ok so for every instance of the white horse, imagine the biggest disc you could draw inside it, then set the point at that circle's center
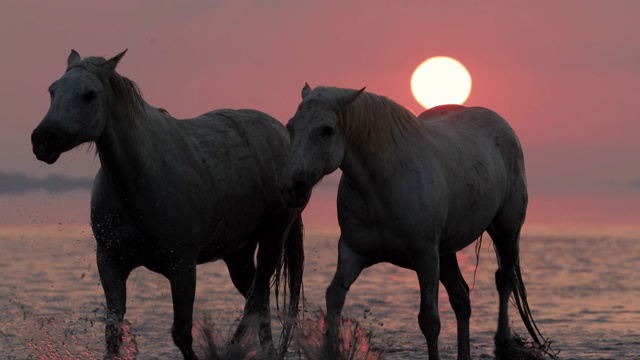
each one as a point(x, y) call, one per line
point(413, 192)
point(173, 194)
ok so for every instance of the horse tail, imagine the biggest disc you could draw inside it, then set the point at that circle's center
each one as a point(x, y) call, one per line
point(519, 298)
point(290, 274)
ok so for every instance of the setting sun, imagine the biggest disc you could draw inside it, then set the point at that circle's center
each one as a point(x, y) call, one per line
point(440, 80)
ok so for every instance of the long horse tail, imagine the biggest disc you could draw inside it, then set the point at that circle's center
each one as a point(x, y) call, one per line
point(519, 298)
point(290, 274)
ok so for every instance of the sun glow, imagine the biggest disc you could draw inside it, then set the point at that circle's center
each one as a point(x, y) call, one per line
point(440, 80)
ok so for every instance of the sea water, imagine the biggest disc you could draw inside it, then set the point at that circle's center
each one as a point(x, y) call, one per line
point(584, 293)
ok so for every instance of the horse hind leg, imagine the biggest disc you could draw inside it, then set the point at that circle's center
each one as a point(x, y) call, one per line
point(505, 233)
point(458, 292)
point(349, 267)
point(257, 300)
point(242, 268)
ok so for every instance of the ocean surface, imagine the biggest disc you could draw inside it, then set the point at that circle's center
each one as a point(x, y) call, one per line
point(584, 293)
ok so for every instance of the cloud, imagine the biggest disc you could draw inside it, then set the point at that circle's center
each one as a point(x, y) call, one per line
point(19, 183)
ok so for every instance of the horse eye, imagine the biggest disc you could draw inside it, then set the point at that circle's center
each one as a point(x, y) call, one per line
point(88, 96)
point(327, 131)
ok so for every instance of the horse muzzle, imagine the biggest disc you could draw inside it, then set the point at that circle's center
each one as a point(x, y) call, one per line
point(295, 195)
point(46, 145)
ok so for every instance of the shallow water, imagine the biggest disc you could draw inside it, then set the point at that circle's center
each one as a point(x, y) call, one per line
point(584, 294)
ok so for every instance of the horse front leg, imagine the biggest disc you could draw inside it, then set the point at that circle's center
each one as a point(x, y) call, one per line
point(113, 277)
point(458, 292)
point(349, 267)
point(427, 269)
point(183, 290)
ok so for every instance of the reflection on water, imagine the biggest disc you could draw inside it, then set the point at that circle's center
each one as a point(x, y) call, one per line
point(583, 292)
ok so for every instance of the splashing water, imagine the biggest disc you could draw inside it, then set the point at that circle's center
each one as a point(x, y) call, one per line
point(216, 346)
point(53, 338)
point(354, 342)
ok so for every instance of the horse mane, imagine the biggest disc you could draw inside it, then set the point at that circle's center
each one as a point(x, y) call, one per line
point(373, 122)
point(123, 91)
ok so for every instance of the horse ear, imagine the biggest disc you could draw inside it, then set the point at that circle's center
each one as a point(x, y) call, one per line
point(73, 58)
point(110, 65)
point(344, 101)
point(306, 90)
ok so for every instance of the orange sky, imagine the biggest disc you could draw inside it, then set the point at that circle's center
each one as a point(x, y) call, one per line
point(564, 74)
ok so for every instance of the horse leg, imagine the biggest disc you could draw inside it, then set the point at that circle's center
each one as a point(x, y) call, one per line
point(183, 290)
point(427, 269)
point(349, 267)
point(113, 277)
point(258, 297)
point(458, 292)
point(505, 233)
point(241, 267)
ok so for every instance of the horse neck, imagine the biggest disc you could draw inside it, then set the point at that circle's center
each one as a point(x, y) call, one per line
point(365, 166)
point(359, 165)
point(126, 146)
point(376, 129)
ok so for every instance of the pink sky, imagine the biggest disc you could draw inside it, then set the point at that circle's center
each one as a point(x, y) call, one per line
point(564, 74)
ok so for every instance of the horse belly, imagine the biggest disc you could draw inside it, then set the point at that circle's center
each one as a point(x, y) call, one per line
point(455, 240)
point(378, 239)
point(463, 227)
point(392, 234)
point(227, 237)
point(475, 193)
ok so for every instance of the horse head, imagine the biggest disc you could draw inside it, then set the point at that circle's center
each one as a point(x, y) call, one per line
point(78, 107)
point(317, 147)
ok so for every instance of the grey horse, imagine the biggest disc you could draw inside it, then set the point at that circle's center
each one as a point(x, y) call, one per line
point(173, 194)
point(413, 192)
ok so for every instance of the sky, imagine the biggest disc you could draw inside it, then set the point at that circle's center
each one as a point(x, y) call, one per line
point(565, 74)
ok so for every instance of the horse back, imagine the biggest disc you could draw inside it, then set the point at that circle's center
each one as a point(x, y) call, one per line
point(473, 129)
point(241, 143)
